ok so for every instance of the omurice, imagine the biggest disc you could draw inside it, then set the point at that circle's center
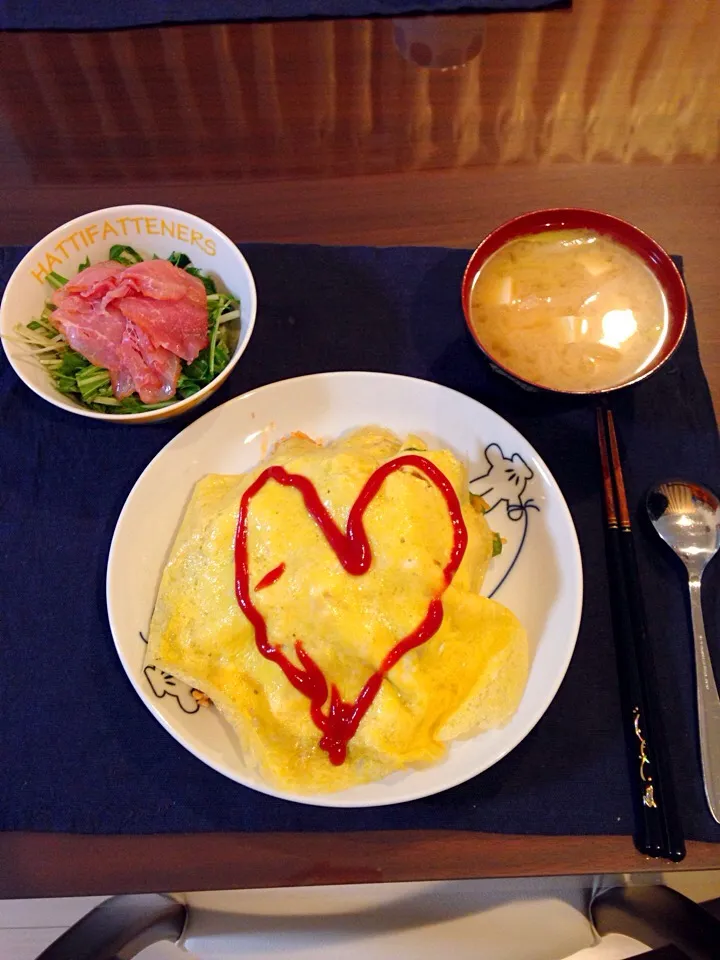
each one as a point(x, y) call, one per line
point(328, 603)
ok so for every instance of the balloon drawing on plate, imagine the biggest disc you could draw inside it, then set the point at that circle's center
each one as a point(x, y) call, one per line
point(504, 482)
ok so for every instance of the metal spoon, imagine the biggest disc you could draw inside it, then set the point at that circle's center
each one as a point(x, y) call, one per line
point(687, 517)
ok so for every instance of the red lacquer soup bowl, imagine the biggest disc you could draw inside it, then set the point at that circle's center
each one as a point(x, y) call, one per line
point(622, 232)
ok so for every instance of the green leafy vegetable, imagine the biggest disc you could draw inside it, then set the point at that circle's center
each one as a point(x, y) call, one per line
point(186, 386)
point(125, 255)
point(181, 260)
point(207, 282)
point(215, 357)
point(129, 405)
point(497, 545)
point(93, 382)
point(84, 265)
point(56, 280)
point(72, 363)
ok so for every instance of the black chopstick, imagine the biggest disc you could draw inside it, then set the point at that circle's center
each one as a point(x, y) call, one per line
point(658, 832)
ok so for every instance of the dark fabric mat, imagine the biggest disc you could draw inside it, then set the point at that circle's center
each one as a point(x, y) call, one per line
point(83, 15)
point(80, 751)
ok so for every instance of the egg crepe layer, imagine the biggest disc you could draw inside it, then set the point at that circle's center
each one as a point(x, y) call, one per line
point(468, 677)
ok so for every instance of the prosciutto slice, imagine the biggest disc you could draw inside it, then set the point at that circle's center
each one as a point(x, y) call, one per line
point(137, 321)
point(92, 283)
point(154, 370)
point(171, 307)
point(90, 329)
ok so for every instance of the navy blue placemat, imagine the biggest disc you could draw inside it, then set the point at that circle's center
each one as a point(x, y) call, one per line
point(84, 15)
point(81, 752)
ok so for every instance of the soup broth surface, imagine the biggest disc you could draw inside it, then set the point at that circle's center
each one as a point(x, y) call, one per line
point(571, 310)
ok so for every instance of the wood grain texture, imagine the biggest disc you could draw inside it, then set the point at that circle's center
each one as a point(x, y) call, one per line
point(49, 865)
point(328, 132)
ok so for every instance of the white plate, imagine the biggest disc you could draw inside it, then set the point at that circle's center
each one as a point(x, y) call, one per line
point(538, 575)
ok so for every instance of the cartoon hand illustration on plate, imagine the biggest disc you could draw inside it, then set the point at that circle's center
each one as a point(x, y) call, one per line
point(164, 684)
point(505, 481)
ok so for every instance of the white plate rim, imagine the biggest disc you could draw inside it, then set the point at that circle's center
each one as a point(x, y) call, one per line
point(335, 800)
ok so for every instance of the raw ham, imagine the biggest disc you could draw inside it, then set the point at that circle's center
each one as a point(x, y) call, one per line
point(171, 307)
point(123, 384)
point(162, 280)
point(137, 322)
point(154, 370)
point(177, 325)
point(92, 331)
point(91, 283)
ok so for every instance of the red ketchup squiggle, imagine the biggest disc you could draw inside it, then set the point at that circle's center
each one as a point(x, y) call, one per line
point(269, 579)
point(339, 724)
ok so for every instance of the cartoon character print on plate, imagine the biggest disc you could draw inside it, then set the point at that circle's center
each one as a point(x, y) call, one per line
point(505, 482)
point(164, 684)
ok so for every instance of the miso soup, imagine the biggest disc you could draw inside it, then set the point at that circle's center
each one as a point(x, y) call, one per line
point(571, 310)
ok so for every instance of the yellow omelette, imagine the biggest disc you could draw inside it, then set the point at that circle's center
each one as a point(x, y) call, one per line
point(468, 677)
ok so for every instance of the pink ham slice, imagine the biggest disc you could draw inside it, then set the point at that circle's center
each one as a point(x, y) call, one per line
point(92, 331)
point(154, 370)
point(171, 307)
point(135, 321)
point(161, 280)
point(123, 384)
point(92, 283)
point(176, 325)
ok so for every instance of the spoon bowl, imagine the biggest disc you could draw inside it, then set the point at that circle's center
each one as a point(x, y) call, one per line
point(687, 517)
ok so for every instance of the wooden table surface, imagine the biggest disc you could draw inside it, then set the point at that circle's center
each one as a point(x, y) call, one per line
point(340, 132)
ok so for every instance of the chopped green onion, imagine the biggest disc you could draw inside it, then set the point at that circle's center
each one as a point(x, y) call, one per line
point(497, 545)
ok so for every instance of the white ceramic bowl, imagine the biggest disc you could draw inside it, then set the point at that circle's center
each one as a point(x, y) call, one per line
point(150, 230)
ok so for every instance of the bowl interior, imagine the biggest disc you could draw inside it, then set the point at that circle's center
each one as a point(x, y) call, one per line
point(572, 218)
point(148, 229)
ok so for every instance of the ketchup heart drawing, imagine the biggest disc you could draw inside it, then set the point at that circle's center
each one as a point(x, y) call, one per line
point(339, 721)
